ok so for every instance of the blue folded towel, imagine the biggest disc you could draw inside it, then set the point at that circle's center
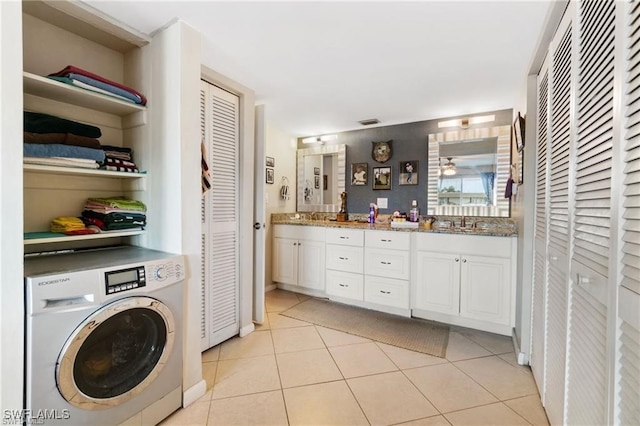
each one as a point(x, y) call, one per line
point(104, 86)
point(58, 150)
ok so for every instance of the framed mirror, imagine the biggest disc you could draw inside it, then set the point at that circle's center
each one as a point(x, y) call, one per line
point(314, 164)
point(468, 172)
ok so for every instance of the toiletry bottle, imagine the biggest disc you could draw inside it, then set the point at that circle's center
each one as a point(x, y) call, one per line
point(372, 213)
point(414, 213)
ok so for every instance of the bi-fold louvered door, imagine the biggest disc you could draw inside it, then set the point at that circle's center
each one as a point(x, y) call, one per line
point(628, 356)
point(219, 216)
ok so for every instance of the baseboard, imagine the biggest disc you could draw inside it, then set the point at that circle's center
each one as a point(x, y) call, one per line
point(522, 358)
point(194, 393)
point(270, 288)
point(247, 329)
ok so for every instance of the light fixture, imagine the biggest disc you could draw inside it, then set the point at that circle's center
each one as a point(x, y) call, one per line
point(320, 139)
point(467, 121)
point(449, 169)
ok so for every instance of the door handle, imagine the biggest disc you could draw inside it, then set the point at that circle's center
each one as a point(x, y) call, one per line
point(257, 226)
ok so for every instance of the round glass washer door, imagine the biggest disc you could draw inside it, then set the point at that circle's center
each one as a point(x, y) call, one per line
point(115, 353)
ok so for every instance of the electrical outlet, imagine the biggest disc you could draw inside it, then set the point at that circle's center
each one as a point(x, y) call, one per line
point(382, 203)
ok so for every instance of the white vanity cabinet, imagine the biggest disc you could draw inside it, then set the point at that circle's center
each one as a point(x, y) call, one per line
point(299, 258)
point(386, 265)
point(345, 264)
point(465, 280)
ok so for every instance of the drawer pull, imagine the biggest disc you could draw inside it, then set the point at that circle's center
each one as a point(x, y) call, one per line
point(385, 292)
point(344, 238)
point(343, 258)
point(457, 260)
point(343, 285)
point(464, 260)
point(385, 241)
point(385, 263)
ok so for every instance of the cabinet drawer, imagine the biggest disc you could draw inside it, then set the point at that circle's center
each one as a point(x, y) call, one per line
point(387, 263)
point(386, 291)
point(345, 258)
point(345, 284)
point(299, 232)
point(347, 237)
point(465, 244)
point(395, 240)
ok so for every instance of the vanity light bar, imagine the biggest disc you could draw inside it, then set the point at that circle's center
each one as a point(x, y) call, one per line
point(466, 122)
point(318, 139)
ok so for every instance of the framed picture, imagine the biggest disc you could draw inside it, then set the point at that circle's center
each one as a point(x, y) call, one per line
point(271, 162)
point(359, 173)
point(382, 177)
point(316, 182)
point(518, 128)
point(408, 173)
point(269, 175)
point(316, 171)
point(325, 182)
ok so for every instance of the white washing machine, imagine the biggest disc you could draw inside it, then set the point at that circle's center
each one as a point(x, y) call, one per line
point(103, 337)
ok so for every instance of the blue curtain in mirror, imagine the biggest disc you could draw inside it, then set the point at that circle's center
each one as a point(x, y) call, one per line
point(488, 179)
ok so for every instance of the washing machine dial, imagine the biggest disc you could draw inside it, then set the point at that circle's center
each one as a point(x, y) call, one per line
point(160, 273)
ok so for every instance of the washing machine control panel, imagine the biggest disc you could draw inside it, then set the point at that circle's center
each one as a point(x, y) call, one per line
point(125, 279)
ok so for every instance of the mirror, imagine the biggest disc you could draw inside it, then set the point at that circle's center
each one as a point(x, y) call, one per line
point(468, 171)
point(321, 174)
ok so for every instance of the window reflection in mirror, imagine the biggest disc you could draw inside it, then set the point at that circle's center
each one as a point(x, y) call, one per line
point(467, 170)
point(317, 193)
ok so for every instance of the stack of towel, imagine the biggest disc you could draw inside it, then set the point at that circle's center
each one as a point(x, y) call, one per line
point(118, 159)
point(69, 226)
point(114, 214)
point(51, 140)
point(87, 80)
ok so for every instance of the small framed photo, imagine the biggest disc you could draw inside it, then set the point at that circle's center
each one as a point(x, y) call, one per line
point(316, 181)
point(408, 173)
point(382, 177)
point(359, 173)
point(316, 171)
point(269, 175)
point(270, 162)
point(518, 128)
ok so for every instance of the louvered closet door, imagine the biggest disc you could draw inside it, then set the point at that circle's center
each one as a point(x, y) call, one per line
point(220, 287)
point(538, 313)
point(561, 103)
point(587, 380)
point(628, 361)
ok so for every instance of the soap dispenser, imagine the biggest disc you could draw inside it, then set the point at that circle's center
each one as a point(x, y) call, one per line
point(414, 213)
point(372, 213)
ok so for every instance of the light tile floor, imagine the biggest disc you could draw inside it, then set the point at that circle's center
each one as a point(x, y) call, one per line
point(290, 372)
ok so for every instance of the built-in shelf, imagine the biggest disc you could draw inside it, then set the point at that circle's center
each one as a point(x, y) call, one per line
point(52, 89)
point(37, 168)
point(52, 237)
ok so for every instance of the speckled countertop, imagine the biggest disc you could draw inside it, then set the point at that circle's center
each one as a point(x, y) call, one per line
point(487, 226)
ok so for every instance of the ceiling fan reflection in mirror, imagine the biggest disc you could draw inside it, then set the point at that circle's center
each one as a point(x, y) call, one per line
point(449, 168)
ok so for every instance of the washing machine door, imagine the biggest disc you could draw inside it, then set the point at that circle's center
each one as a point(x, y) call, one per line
point(115, 353)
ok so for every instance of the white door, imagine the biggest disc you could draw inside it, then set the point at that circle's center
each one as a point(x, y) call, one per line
point(259, 221)
point(485, 288)
point(220, 206)
point(438, 285)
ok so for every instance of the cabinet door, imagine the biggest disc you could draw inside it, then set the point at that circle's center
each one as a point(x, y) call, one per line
point(485, 291)
point(437, 282)
point(311, 264)
point(285, 260)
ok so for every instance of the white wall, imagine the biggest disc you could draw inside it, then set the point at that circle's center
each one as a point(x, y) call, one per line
point(282, 147)
point(11, 247)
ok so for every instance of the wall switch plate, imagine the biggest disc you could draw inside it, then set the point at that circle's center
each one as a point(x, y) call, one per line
point(382, 203)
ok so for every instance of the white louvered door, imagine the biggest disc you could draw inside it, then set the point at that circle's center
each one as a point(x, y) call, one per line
point(561, 109)
point(588, 357)
point(628, 359)
point(538, 311)
point(220, 229)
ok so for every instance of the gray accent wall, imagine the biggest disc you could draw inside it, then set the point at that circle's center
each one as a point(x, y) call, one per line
point(409, 144)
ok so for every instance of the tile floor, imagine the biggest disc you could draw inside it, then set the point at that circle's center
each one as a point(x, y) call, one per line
point(289, 372)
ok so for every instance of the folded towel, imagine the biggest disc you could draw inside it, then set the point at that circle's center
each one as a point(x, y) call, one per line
point(119, 202)
point(70, 69)
point(36, 122)
point(61, 138)
point(61, 162)
point(106, 87)
point(58, 150)
point(93, 88)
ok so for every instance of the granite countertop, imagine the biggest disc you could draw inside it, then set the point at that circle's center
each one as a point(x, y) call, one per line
point(495, 227)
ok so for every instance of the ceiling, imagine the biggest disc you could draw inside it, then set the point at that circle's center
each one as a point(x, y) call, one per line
point(320, 67)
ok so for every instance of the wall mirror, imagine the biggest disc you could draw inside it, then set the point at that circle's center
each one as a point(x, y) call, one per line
point(321, 178)
point(468, 171)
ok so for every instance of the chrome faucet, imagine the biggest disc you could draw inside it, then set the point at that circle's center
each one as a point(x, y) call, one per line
point(463, 222)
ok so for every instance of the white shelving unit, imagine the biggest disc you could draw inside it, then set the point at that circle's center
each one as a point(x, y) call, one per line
point(37, 168)
point(70, 238)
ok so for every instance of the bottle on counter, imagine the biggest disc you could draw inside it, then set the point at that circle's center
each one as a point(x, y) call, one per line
point(414, 213)
point(372, 213)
